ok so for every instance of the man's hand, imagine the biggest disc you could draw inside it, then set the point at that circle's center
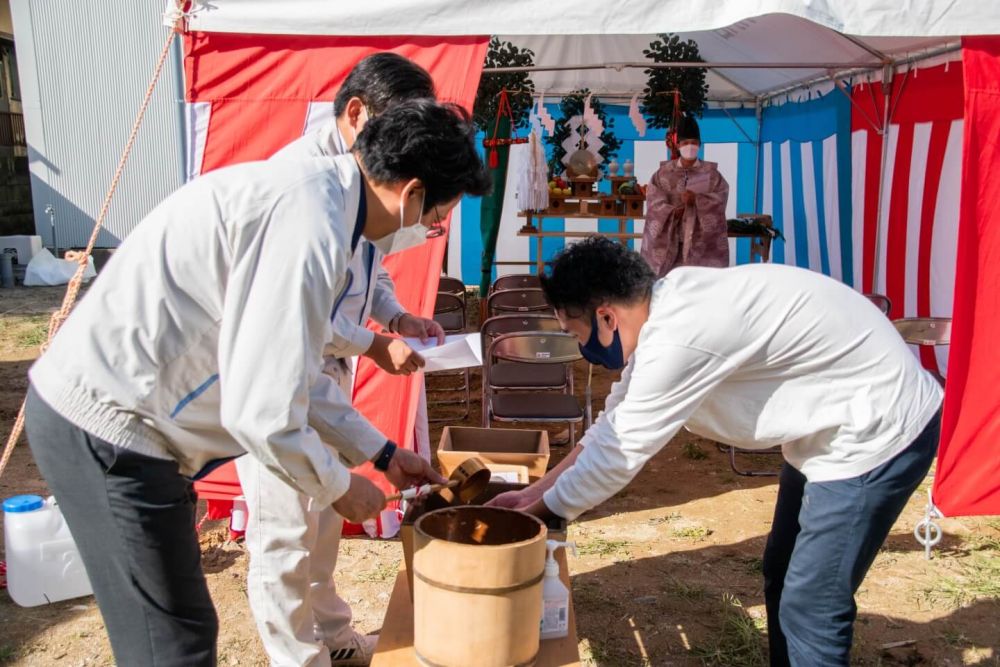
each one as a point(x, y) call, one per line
point(512, 500)
point(394, 356)
point(408, 469)
point(363, 500)
point(688, 197)
point(420, 327)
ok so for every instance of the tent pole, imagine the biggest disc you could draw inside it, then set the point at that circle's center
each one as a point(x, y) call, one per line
point(842, 88)
point(887, 75)
point(759, 111)
point(738, 126)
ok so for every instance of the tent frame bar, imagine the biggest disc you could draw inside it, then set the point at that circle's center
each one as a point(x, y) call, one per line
point(619, 66)
point(849, 73)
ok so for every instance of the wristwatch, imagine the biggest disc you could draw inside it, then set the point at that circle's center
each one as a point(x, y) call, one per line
point(394, 322)
point(382, 462)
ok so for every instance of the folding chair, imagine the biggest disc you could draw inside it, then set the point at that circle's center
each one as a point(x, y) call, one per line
point(925, 331)
point(508, 301)
point(883, 302)
point(449, 312)
point(511, 375)
point(450, 285)
point(733, 451)
point(515, 281)
point(532, 403)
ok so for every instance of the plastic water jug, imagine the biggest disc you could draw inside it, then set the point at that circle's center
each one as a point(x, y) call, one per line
point(43, 563)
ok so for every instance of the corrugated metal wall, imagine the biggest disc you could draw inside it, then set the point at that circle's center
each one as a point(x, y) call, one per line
point(85, 65)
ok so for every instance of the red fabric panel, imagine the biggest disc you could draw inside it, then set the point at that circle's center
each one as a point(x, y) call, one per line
point(895, 241)
point(873, 160)
point(932, 181)
point(260, 87)
point(967, 481)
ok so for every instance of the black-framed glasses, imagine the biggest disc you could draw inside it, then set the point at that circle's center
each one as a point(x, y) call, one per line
point(437, 228)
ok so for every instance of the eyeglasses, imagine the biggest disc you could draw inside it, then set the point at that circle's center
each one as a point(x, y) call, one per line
point(436, 229)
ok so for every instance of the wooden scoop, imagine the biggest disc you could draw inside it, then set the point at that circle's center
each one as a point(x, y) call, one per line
point(468, 481)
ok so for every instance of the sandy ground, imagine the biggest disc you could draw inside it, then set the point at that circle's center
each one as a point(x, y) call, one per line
point(668, 571)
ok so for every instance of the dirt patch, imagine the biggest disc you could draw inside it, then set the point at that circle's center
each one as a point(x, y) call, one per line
point(668, 571)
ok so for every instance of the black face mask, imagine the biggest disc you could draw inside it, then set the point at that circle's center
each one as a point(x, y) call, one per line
point(610, 357)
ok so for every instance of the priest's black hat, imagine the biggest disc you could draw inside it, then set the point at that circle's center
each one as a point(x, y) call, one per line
point(687, 128)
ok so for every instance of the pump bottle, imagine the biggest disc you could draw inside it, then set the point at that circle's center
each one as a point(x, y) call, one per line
point(555, 595)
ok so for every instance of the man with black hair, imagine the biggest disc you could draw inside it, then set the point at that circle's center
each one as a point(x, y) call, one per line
point(686, 209)
point(292, 542)
point(753, 356)
point(202, 340)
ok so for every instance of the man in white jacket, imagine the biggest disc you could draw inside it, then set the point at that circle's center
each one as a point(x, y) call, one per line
point(203, 340)
point(292, 541)
point(753, 356)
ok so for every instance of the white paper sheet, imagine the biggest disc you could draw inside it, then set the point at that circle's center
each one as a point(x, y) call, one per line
point(458, 351)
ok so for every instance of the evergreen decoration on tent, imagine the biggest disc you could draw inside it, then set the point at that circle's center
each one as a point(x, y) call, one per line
point(658, 102)
point(518, 84)
point(571, 106)
point(499, 126)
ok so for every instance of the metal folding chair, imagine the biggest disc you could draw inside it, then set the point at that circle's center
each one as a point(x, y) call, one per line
point(450, 285)
point(928, 331)
point(449, 312)
point(511, 375)
point(533, 403)
point(882, 301)
point(515, 281)
point(925, 331)
point(510, 301)
point(733, 451)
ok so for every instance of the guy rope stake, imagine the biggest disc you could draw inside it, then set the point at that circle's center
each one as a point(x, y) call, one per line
point(83, 258)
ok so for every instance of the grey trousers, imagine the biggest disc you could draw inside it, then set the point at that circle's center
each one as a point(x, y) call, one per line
point(133, 519)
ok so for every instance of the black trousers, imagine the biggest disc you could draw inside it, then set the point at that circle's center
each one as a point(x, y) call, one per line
point(133, 519)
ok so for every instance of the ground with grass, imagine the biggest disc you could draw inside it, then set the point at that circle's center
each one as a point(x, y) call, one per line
point(668, 571)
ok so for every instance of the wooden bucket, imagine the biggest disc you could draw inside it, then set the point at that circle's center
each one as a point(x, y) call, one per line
point(477, 579)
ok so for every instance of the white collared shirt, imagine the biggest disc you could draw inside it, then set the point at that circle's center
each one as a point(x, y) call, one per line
point(756, 356)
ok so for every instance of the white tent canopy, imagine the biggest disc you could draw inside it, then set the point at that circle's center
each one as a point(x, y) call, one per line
point(773, 45)
point(939, 18)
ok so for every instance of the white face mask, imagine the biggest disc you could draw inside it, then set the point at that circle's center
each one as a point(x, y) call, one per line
point(404, 237)
point(689, 151)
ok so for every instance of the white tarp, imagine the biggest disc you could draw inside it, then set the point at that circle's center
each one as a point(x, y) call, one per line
point(46, 269)
point(585, 17)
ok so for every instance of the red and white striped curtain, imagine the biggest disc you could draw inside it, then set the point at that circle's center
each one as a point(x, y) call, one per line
point(920, 197)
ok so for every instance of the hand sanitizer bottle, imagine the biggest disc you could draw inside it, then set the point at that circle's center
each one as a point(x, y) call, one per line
point(555, 595)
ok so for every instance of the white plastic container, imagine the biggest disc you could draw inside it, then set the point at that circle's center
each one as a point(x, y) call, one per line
point(43, 563)
point(555, 595)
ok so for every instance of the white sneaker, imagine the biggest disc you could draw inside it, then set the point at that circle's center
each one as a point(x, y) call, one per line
point(357, 653)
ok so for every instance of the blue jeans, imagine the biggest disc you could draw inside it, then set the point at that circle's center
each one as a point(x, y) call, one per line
point(824, 538)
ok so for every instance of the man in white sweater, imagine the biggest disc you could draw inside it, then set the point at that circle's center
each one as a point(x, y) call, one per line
point(753, 356)
point(203, 340)
point(291, 540)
